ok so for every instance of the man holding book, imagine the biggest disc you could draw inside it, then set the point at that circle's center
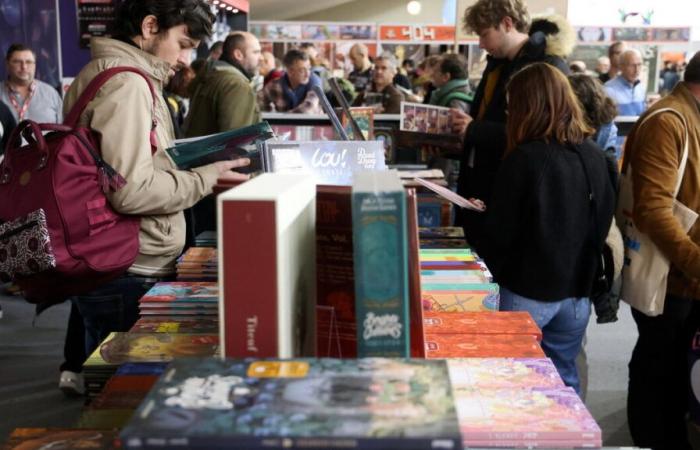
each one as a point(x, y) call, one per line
point(156, 37)
point(512, 42)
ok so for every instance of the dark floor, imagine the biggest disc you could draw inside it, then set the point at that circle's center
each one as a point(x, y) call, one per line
point(30, 356)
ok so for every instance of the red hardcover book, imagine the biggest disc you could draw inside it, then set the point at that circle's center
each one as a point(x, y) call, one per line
point(415, 307)
point(266, 248)
point(336, 325)
point(483, 322)
point(439, 346)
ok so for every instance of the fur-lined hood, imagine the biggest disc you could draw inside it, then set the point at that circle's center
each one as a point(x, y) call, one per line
point(561, 37)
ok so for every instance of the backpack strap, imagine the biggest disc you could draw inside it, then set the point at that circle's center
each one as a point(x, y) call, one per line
point(96, 84)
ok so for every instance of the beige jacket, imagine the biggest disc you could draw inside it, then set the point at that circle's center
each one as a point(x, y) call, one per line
point(654, 149)
point(156, 190)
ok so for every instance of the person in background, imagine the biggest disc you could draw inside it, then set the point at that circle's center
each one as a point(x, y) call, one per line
point(502, 27)
point(599, 112)
point(361, 74)
point(402, 80)
point(424, 85)
point(554, 196)
point(223, 98)
point(157, 37)
point(626, 89)
point(659, 388)
point(270, 68)
point(27, 97)
point(451, 84)
point(614, 52)
point(669, 77)
point(577, 66)
point(409, 68)
point(292, 92)
point(177, 96)
point(602, 66)
point(381, 93)
point(217, 48)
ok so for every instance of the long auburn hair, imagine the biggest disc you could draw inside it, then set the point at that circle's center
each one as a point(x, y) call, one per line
point(542, 106)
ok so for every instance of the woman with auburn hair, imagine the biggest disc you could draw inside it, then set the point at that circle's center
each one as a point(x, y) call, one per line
point(549, 214)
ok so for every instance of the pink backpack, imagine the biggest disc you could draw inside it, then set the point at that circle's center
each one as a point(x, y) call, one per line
point(60, 236)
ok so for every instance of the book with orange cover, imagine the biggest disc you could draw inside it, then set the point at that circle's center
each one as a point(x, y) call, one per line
point(55, 438)
point(182, 324)
point(484, 323)
point(481, 346)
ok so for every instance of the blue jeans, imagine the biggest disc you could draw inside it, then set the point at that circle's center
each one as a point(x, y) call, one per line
point(563, 325)
point(111, 307)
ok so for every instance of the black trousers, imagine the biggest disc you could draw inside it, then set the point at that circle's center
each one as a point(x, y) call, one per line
point(659, 377)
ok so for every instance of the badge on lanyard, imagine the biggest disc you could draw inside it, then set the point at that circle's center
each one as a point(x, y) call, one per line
point(21, 110)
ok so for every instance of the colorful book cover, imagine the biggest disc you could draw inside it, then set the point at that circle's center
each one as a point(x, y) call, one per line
point(200, 325)
point(503, 373)
point(381, 264)
point(441, 233)
point(199, 255)
point(535, 414)
point(467, 276)
point(188, 292)
point(364, 117)
point(119, 348)
point(451, 265)
point(60, 438)
point(124, 392)
point(483, 322)
point(141, 368)
point(460, 301)
point(481, 346)
point(336, 325)
point(315, 403)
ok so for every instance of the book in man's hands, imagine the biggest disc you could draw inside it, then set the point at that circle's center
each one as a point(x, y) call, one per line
point(232, 144)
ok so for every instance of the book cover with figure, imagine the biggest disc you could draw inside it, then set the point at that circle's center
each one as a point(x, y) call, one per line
point(381, 264)
point(377, 403)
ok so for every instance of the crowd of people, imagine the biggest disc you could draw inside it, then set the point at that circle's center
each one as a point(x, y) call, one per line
point(540, 149)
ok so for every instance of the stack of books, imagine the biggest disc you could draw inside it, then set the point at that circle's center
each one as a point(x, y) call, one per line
point(122, 347)
point(48, 438)
point(198, 264)
point(521, 403)
point(173, 299)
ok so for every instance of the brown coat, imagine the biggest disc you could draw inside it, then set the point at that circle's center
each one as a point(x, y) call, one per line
point(655, 150)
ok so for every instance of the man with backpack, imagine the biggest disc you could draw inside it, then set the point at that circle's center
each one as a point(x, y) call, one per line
point(157, 37)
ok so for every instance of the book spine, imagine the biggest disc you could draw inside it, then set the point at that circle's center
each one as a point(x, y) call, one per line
point(248, 279)
point(336, 325)
point(414, 278)
point(381, 282)
point(293, 443)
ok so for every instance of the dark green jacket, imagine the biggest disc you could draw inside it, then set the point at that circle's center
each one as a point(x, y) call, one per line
point(222, 99)
point(454, 94)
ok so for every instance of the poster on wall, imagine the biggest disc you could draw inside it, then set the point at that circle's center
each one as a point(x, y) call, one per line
point(95, 18)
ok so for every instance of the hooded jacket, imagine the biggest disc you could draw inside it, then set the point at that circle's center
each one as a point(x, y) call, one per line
point(121, 114)
point(223, 99)
point(551, 39)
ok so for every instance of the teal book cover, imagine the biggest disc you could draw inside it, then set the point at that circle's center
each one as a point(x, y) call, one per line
point(381, 265)
point(195, 152)
point(376, 403)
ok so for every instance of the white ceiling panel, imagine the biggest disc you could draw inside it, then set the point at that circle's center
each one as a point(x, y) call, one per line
point(289, 9)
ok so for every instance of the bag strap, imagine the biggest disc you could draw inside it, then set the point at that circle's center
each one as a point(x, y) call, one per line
point(684, 158)
point(96, 84)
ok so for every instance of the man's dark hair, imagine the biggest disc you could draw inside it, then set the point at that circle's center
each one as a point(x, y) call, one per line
point(455, 65)
point(233, 41)
point(293, 56)
point(216, 46)
point(306, 45)
point(195, 14)
point(408, 62)
point(692, 70)
point(17, 48)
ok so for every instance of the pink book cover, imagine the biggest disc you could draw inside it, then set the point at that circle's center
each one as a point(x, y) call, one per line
point(503, 373)
point(535, 414)
point(483, 322)
point(182, 291)
point(441, 301)
point(534, 443)
point(438, 346)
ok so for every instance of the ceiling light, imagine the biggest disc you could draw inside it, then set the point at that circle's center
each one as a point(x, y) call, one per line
point(216, 2)
point(229, 8)
point(235, 10)
point(413, 7)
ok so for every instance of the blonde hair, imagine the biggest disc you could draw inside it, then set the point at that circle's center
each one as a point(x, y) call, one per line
point(489, 13)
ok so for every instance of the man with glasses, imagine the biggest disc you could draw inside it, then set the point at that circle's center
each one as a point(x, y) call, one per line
point(27, 97)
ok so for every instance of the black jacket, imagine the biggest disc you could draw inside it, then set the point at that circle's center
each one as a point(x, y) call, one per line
point(8, 124)
point(487, 137)
point(540, 239)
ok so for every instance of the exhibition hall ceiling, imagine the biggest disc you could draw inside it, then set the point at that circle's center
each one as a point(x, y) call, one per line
point(289, 9)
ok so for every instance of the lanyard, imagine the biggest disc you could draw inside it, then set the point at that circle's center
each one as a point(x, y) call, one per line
point(21, 110)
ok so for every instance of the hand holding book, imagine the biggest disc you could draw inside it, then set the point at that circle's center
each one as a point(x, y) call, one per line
point(226, 169)
point(471, 204)
point(460, 121)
